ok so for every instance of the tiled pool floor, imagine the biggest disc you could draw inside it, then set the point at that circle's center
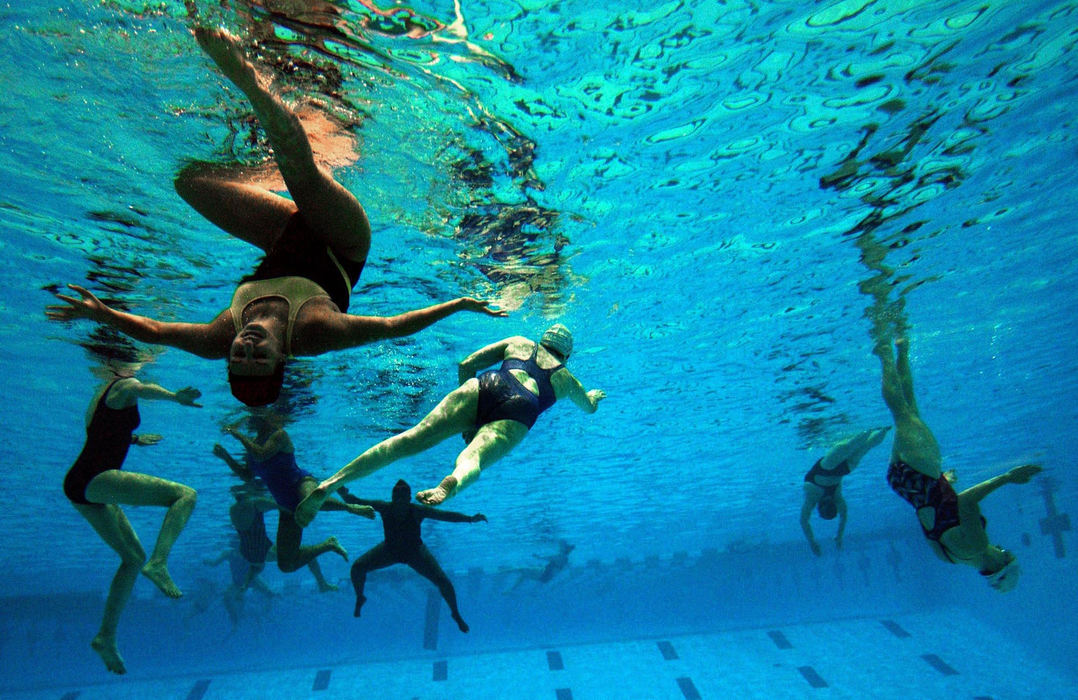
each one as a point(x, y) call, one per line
point(912, 656)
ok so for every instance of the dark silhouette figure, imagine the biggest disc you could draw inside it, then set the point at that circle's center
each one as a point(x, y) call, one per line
point(401, 520)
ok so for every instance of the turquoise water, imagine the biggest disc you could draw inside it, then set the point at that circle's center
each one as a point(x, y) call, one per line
point(683, 184)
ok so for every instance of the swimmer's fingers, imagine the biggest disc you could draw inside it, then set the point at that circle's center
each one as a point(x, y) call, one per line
point(188, 396)
point(75, 308)
point(482, 306)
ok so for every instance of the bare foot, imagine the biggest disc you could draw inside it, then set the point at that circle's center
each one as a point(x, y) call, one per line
point(157, 572)
point(309, 506)
point(334, 546)
point(327, 587)
point(460, 622)
point(360, 600)
point(225, 50)
point(106, 649)
point(444, 490)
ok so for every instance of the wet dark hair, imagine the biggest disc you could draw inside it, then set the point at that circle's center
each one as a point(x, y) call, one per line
point(257, 390)
point(402, 491)
point(827, 508)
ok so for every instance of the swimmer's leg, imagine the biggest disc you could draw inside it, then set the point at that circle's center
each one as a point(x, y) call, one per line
point(491, 442)
point(290, 555)
point(131, 488)
point(112, 526)
point(451, 416)
point(427, 566)
point(375, 558)
point(326, 205)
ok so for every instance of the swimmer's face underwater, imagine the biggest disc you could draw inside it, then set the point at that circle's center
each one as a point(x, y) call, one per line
point(256, 365)
point(255, 352)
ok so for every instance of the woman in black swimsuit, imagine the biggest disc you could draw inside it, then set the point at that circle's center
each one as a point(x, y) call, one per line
point(952, 522)
point(823, 483)
point(494, 412)
point(96, 486)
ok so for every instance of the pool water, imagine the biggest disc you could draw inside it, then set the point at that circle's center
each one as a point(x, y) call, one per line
point(704, 192)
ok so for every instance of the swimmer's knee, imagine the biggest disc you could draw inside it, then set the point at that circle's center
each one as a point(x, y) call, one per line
point(135, 557)
point(186, 494)
point(287, 566)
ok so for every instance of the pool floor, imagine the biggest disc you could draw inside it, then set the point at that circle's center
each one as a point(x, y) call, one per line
point(941, 655)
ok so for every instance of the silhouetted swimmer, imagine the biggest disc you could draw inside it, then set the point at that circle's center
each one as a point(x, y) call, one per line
point(555, 564)
point(401, 522)
point(97, 486)
point(493, 411)
point(823, 483)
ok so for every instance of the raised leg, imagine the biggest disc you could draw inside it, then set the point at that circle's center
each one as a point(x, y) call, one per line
point(291, 556)
point(491, 442)
point(326, 205)
point(451, 416)
point(131, 488)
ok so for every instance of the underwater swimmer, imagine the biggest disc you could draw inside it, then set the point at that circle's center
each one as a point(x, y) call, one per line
point(823, 483)
point(952, 522)
point(316, 245)
point(494, 412)
point(97, 486)
point(401, 523)
point(271, 457)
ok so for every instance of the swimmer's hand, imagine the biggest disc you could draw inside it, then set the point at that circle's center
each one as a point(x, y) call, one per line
point(1022, 474)
point(188, 396)
point(89, 306)
point(362, 511)
point(145, 439)
point(480, 306)
point(478, 518)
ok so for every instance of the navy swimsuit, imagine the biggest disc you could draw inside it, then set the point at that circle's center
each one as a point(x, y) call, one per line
point(108, 438)
point(503, 397)
point(282, 476)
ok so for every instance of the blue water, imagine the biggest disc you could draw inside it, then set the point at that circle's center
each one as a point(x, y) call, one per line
point(683, 185)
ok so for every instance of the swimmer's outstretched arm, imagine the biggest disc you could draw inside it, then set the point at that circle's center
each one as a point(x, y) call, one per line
point(586, 401)
point(806, 525)
point(449, 516)
point(240, 470)
point(129, 390)
point(840, 504)
point(346, 496)
point(343, 331)
point(1018, 475)
point(210, 340)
